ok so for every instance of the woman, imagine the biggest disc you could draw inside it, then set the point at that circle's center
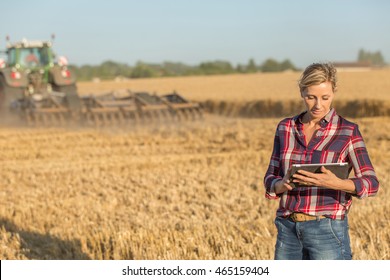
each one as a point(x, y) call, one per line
point(312, 220)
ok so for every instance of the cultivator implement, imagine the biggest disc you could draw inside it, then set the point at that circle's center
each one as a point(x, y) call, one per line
point(182, 108)
point(109, 110)
point(152, 108)
point(106, 110)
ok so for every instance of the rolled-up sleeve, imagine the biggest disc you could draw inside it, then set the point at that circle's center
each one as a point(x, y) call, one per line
point(366, 181)
point(273, 172)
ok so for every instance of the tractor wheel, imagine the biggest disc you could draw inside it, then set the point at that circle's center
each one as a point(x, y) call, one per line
point(7, 96)
point(2, 94)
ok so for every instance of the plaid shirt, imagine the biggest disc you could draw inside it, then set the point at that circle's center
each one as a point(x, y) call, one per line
point(338, 140)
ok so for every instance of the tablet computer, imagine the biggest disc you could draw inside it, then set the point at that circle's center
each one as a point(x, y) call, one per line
point(341, 169)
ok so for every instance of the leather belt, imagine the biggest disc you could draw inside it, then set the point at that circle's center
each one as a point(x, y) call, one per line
point(302, 217)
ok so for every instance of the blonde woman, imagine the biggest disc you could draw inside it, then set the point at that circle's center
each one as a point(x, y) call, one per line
point(312, 219)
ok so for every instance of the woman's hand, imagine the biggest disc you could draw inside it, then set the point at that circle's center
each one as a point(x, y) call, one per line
point(284, 184)
point(326, 179)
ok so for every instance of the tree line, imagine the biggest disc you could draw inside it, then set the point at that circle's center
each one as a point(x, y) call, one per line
point(110, 69)
point(372, 58)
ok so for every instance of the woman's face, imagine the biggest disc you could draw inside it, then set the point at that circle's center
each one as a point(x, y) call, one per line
point(318, 99)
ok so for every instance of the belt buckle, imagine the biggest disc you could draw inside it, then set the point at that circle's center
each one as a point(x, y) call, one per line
point(293, 217)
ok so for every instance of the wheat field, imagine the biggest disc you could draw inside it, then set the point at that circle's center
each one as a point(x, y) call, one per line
point(370, 85)
point(190, 190)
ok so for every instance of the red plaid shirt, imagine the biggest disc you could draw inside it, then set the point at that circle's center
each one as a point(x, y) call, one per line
point(338, 140)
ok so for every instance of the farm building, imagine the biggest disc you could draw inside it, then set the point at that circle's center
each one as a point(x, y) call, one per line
point(353, 66)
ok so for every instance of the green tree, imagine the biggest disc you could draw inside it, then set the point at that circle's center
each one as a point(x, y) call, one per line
point(240, 68)
point(216, 67)
point(142, 70)
point(110, 69)
point(270, 65)
point(362, 56)
point(251, 67)
point(176, 69)
point(378, 59)
point(286, 65)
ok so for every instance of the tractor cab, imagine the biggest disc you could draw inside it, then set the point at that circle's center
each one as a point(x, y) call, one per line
point(30, 55)
point(30, 72)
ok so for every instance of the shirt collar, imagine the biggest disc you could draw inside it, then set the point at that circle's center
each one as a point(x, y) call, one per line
point(325, 120)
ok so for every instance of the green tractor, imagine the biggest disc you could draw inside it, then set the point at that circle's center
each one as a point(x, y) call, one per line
point(33, 82)
point(42, 91)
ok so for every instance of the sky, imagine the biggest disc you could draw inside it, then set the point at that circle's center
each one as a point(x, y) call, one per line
point(195, 31)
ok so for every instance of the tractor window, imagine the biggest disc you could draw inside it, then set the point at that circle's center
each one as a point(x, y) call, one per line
point(11, 57)
point(44, 55)
point(30, 57)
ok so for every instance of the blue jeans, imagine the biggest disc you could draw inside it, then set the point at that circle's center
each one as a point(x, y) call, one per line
point(323, 239)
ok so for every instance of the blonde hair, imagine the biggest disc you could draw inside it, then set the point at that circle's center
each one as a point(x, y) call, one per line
point(316, 74)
